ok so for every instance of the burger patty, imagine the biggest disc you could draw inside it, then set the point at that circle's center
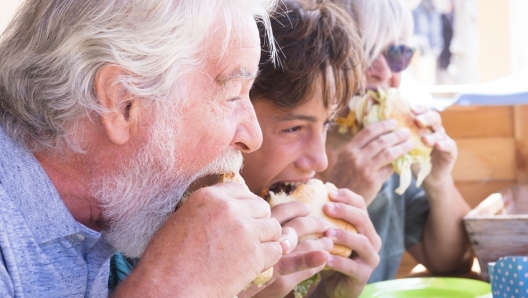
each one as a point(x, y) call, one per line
point(280, 187)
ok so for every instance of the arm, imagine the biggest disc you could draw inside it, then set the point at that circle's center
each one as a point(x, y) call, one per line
point(362, 164)
point(444, 241)
point(213, 246)
point(348, 276)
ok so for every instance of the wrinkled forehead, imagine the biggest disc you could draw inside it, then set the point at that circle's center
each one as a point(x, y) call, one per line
point(236, 29)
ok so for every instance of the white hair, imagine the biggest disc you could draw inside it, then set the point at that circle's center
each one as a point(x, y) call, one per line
point(380, 23)
point(140, 194)
point(52, 50)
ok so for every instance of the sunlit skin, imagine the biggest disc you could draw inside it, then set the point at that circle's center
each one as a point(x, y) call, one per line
point(379, 75)
point(222, 104)
point(293, 150)
point(361, 163)
point(293, 140)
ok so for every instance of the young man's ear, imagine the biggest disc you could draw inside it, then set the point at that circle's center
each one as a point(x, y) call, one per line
point(122, 110)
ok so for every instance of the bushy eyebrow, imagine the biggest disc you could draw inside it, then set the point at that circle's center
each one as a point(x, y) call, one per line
point(291, 117)
point(238, 73)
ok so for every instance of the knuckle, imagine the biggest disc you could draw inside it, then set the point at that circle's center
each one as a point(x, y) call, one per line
point(352, 156)
point(354, 198)
point(363, 215)
point(265, 206)
point(365, 173)
point(275, 225)
point(363, 243)
point(289, 231)
point(383, 141)
point(391, 153)
point(371, 129)
point(204, 194)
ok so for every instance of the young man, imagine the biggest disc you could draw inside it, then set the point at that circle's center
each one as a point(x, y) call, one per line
point(321, 68)
point(425, 221)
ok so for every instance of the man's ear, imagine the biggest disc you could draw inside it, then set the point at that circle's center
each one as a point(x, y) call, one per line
point(121, 109)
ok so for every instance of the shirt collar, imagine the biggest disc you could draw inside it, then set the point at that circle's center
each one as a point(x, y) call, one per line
point(26, 183)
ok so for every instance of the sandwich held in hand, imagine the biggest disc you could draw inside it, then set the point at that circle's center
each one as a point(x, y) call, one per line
point(316, 194)
point(379, 105)
point(267, 274)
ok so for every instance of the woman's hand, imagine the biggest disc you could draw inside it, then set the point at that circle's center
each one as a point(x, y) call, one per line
point(363, 164)
point(445, 149)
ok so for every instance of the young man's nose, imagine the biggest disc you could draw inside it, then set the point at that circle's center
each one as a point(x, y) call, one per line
point(314, 157)
point(248, 135)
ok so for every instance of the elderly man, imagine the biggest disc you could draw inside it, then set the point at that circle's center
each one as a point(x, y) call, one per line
point(108, 110)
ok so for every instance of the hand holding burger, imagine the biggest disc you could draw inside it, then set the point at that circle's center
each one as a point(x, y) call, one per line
point(379, 105)
point(316, 194)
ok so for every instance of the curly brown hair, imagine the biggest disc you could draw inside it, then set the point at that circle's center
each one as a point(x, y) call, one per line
point(317, 41)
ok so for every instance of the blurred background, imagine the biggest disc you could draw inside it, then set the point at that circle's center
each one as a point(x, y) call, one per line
point(458, 41)
point(469, 41)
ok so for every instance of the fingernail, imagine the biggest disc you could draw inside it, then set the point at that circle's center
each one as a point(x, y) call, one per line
point(392, 123)
point(331, 260)
point(329, 243)
point(287, 246)
point(331, 207)
point(331, 233)
point(334, 194)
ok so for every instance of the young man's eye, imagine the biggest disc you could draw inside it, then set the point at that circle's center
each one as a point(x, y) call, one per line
point(293, 129)
point(329, 124)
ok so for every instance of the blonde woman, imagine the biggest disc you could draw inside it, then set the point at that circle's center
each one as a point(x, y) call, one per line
point(426, 221)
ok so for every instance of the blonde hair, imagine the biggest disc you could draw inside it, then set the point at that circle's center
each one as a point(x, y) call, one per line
point(380, 23)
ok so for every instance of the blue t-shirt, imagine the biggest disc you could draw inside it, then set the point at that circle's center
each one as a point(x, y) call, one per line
point(44, 251)
point(399, 221)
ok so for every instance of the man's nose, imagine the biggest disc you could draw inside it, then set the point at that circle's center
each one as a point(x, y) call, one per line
point(248, 135)
point(379, 69)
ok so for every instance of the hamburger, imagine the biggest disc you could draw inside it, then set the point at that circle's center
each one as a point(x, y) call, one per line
point(379, 105)
point(316, 194)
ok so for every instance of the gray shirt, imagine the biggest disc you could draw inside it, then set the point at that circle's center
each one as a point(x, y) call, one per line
point(399, 221)
point(44, 251)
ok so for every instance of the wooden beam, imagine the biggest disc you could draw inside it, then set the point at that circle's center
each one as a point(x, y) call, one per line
point(521, 142)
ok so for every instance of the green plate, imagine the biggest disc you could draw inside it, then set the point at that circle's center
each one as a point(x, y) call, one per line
point(437, 287)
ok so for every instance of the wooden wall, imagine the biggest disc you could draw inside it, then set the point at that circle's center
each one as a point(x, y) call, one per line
point(493, 148)
point(493, 152)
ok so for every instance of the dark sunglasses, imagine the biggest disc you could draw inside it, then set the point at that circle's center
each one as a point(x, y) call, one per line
point(398, 57)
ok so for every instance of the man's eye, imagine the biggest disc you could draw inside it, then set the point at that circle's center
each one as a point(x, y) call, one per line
point(234, 98)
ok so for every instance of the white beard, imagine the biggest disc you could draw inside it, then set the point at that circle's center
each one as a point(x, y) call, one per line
point(138, 198)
